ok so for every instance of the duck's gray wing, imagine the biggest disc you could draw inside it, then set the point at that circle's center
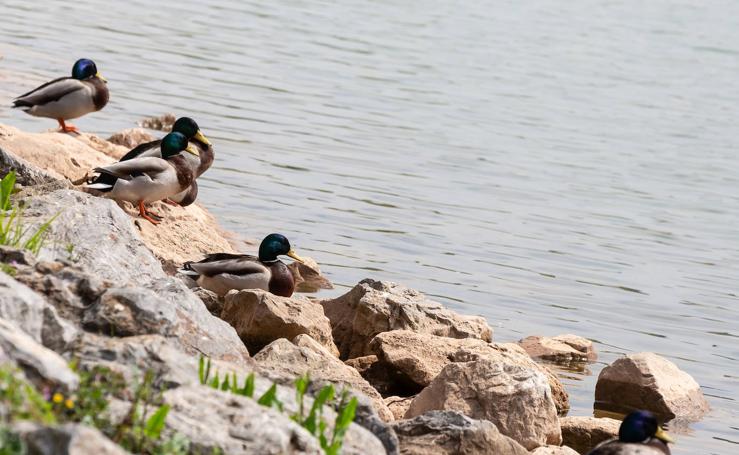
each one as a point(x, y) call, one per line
point(232, 264)
point(49, 92)
point(135, 167)
point(144, 150)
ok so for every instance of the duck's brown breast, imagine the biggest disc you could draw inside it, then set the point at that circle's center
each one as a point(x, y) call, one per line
point(281, 282)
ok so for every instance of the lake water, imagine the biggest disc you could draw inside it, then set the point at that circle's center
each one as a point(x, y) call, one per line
point(555, 166)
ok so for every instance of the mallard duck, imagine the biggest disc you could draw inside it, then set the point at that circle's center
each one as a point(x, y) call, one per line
point(639, 434)
point(222, 272)
point(190, 129)
point(149, 179)
point(68, 97)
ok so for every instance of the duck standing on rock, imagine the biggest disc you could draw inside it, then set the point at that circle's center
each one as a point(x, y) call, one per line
point(639, 434)
point(68, 97)
point(149, 179)
point(190, 129)
point(221, 272)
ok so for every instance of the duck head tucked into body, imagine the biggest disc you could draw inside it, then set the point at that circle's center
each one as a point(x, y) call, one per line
point(190, 129)
point(639, 434)
point(149, 179)
point(68, 98)
point(222, 272)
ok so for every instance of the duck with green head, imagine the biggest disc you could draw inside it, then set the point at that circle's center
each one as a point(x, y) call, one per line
point(67, 98)
point(639, 434)
point(199, 164)
point(149, 179)
point(221, 272)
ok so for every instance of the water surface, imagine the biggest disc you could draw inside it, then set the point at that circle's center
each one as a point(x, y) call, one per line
point(555, 166)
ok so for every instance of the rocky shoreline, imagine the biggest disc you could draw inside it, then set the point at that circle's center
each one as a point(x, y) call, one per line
point(104, 292)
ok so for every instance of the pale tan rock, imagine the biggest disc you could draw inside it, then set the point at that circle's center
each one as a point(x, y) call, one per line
point(284, 361)
point(261, 318)
point(516, 399)
point(163, 122)
point(373, 307)
point(553, 450)
point(647, 381)
point(64, 156)
point(452, 433)
point(131, 137)
point(559, 349)
point(186, 233)
point(421, 357)
point(398, 405)
point(584, 433)
point(66, 439)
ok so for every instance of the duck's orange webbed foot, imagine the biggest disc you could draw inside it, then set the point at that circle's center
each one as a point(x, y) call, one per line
point(148, 216)
point(67, 128)
point(171, 202)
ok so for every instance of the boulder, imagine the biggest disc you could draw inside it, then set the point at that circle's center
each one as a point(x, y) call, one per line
point(130, 311)
point(398, 406)
point(260, 318)
point(67, 439)
point(373, 307)
point(647, 381)
point(559, 349)
point(221, 422)
point(452, 433)
point(584, 433)
point(553, 450)
point(31, 313)
point(516, 399)
point(131, 137)
point(284, 361)
point(236, 424)
point(385, 378)
point(41, 366)
point(419, 358)
point(308, 277)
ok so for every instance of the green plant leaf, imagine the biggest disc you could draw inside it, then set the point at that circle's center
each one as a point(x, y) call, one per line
point(248, 390)
point(269, 398)
point(155, 423)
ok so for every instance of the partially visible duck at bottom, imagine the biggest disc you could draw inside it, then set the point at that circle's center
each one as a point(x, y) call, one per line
point(149, 179)
point(222, 272)
point(639, 434)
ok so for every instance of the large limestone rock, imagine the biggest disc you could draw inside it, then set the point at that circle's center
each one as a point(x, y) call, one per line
point(125, 312)
point(42, 366)
point(516, 399)
point(284, 361)
point(308, 277)
point(25, 173)
point(584, 433)
point(372, 307)
point(560, 349)
point(647, 381)
point(261, 318)
point(399, 406)
point(233, 424)
point(31, 313)
point(214, 420)
point(452, 433)
point(67, 439)
point(553, 450)
point(420, 358)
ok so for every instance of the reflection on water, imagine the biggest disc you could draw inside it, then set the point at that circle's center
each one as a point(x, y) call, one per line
point(555, 166)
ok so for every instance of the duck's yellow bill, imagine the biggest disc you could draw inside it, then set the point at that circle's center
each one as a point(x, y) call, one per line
point(100, 76)
point(192, 150)
point(663, 436)
point(295, 256)
point(199, 136)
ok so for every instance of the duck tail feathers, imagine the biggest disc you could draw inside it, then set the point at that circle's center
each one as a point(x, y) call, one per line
point(187, 270)
point(99, 186)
